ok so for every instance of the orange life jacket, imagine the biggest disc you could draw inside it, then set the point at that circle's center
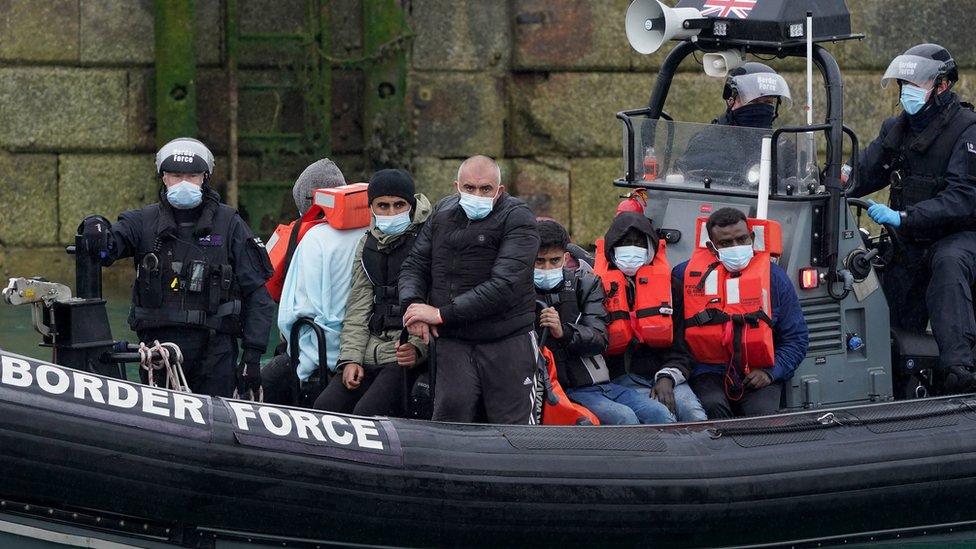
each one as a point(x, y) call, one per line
point(728, 316)
point(557, 409)
point(649, 321)
point(345, 207)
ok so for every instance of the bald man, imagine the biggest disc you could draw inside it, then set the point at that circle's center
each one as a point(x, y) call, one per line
point(468, 282)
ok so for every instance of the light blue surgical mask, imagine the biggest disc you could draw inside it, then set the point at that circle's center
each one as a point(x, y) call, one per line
point(184, 195)
point(629, 258)
point(547, 279)
point(735, 258)
point(393, 224)
point(476, 207)
point(913, 98)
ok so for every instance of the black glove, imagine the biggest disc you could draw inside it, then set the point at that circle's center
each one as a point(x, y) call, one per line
point(96, 234)
point(249, 375)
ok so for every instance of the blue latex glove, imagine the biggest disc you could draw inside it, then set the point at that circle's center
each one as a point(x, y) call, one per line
point(884, 215)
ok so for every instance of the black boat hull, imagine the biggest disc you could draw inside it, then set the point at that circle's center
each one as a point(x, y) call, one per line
point(807, 475)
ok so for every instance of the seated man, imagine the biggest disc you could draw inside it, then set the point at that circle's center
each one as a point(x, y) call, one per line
point(741, 361)
point(278, 375)
point(372, 361)
point(317, 284)
point(577, 324)
point(752, 95)
point(637, 279)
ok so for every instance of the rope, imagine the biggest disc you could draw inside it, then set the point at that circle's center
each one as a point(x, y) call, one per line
point(830, 420)
point(172, 372)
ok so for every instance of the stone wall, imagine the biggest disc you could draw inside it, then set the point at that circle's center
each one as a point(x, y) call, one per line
point(534, 83)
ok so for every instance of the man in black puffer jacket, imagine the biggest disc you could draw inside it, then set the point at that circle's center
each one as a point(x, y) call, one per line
point(468, 281)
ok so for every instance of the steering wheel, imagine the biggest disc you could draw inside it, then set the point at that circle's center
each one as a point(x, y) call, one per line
point(888, 232)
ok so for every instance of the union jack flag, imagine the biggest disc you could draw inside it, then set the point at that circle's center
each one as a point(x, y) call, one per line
point(726, 8)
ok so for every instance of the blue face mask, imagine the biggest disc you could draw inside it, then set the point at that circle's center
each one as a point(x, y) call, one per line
point(547, 279)
point(476, 207)
point(913, 98)
point(629, 258)
point(393, 224)
point(184, 195)
point(735, 258)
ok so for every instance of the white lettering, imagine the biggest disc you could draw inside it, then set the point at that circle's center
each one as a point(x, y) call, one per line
point(328, 422)
point(305, 423)
point(365, 429)
point(183, 404)
point(243, 412)
point(265, 413)
point(60, 386)
point(15, 372)
point(116, 398)
point(152, 399)
point(90, 384)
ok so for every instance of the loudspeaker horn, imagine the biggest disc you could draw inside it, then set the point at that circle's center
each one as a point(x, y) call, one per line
point(721, 62)
point(650, 24)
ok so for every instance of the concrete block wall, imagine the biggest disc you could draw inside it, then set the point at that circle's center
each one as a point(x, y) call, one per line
point(77, 124)
point(566, 69)
point(534, 83)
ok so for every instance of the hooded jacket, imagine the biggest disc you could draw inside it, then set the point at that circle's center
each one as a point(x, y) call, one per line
point(647, 362)
point(356, 343)
point(478, 273)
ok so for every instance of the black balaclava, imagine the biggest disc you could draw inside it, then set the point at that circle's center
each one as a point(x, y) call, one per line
point(754, 115)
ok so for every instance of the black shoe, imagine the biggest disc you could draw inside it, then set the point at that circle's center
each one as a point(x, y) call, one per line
point(960, 379)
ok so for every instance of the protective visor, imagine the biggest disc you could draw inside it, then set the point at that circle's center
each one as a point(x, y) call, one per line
point(917, 70)
point(761, 84)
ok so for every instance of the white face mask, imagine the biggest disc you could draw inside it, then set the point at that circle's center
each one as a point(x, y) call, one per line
point(477, 207)
point(629, 258)
point(392, 224)
point(735, 258)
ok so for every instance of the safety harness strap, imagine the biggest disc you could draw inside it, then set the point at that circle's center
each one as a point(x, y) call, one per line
point(662, 310)
point(193, 317)
point(619, 315)
point(701, 282)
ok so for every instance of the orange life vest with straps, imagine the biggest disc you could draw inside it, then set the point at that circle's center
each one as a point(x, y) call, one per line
point(649, 320)
point(728, 316)
point(344, 207)
point(557, 409)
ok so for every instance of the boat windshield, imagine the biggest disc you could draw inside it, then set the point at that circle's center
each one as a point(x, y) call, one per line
point(719, 156)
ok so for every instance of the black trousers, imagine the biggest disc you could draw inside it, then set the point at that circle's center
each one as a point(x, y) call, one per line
point(935, 283)
point(381, 392)
point(208, 358)
point(493, 381)
point(710, 389)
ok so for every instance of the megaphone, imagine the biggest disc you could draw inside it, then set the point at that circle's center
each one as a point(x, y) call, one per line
point(721, 62)
point(650, 24)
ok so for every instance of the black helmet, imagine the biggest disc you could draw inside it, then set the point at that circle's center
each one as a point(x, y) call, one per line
point(185, 155)
point(922, 64)
point(754, 80)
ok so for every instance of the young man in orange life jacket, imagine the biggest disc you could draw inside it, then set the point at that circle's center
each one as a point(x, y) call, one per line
point(641, 353)
point(577, 324)
point(740, 319)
